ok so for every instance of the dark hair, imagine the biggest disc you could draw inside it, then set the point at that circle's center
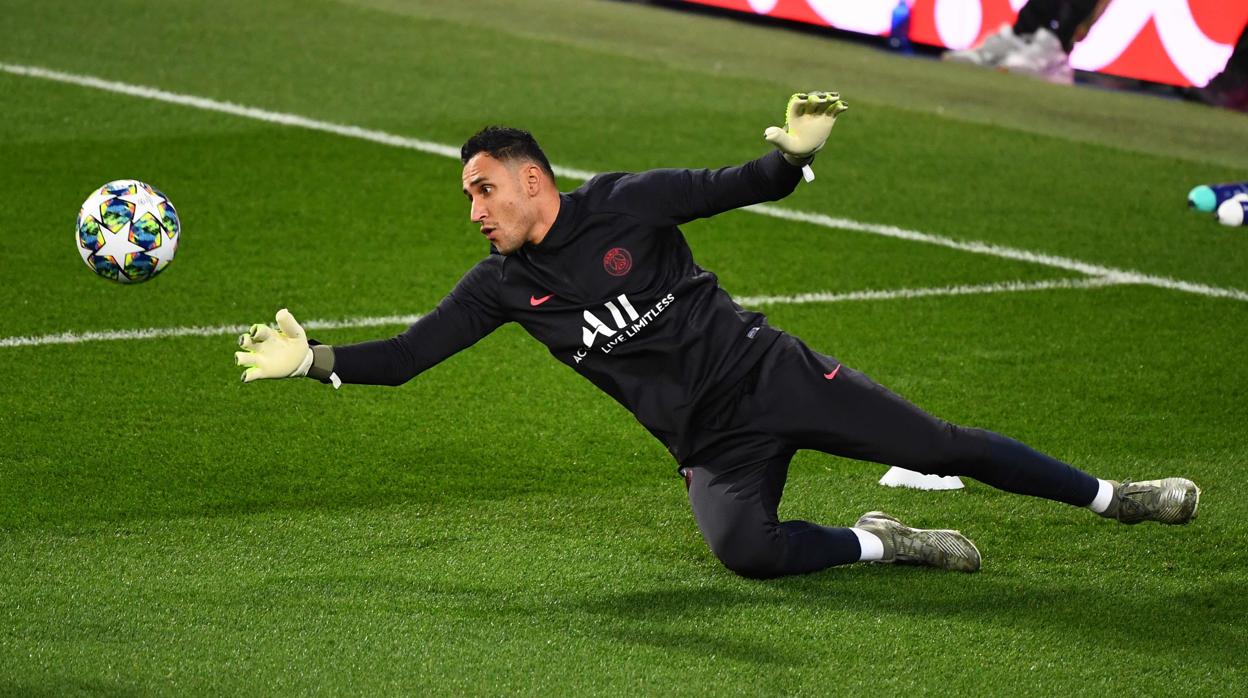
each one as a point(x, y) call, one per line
point(505, 143)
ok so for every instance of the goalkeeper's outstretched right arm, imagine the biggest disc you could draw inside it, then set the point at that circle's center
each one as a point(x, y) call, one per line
point(467, 314)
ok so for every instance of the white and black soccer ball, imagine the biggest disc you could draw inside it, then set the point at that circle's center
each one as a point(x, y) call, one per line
point(127, 231)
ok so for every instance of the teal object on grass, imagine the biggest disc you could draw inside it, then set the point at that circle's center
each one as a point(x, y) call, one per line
point(1207, 197)
point(1202, 199)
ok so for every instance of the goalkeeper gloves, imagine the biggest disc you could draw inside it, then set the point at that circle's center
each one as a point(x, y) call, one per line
point(808, 122)
point(283, 353)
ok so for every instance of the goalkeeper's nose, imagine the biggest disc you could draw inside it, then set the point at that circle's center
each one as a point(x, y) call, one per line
point(477, 212)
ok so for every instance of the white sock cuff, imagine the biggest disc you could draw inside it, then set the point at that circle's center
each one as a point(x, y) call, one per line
point(871, 545)
point(1104, 495)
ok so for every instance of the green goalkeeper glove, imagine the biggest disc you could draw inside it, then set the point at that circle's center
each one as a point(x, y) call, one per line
point(808, 122)
point(283, 353)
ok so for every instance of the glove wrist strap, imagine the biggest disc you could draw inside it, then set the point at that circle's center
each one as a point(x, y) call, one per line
point(321, 363)
point(796, 161)
point(803, 162)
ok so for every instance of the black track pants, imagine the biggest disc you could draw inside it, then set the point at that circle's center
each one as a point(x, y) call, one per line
point(1061, 17)
point(796, 398)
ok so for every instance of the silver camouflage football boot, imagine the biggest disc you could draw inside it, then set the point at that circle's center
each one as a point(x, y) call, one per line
point(1170, 501)
point(990, 52)
point(946, 549)
point(1043, 57)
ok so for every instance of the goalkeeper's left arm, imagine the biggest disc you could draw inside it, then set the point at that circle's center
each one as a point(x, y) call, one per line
point(675, 196)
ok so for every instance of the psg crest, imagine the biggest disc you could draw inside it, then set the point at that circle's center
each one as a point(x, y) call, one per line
point(617, 261)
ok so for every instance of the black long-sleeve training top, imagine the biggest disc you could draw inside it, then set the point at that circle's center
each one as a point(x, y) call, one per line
point(614, 293)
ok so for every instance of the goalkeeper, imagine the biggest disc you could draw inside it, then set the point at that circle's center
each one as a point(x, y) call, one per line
point(604, 278)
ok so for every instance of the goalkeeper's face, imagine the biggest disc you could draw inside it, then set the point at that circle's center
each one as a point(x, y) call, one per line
point(504, 200)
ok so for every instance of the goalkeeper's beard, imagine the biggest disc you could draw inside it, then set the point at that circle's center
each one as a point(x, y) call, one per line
point(511, 236)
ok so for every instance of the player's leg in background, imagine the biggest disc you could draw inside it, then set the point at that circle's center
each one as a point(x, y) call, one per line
point(1066, 19)
point(736, 509)
point(1036, 14)
point(1049, 29)
point(1038, 43)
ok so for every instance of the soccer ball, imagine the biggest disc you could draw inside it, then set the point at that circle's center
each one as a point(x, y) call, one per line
point(127, 231)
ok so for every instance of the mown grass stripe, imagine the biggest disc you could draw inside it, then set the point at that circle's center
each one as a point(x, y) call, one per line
point(1119, 275)
point(443, 150)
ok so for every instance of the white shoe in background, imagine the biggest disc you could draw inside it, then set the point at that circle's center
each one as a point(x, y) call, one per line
point(991, 51)
point(1042, 57)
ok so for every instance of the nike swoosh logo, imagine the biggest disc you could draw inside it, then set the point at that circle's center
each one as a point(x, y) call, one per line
point(832, 375)
point(535, 301)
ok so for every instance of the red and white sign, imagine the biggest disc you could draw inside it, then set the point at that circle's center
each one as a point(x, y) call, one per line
point(1177, 42)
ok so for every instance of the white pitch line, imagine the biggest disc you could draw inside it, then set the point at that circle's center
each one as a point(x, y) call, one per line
point(202, 331)
point(439, 149)
point(803, 298)
point(900, 293)
point(272, 117)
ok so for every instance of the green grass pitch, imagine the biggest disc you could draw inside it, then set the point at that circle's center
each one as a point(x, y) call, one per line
point(498, 526)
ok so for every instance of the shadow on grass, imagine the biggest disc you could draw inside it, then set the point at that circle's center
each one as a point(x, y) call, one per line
point(77, 499)
point(1205, 625)
point(65, 686)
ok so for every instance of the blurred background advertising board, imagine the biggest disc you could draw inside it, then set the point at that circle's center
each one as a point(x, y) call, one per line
point(1174, 42)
